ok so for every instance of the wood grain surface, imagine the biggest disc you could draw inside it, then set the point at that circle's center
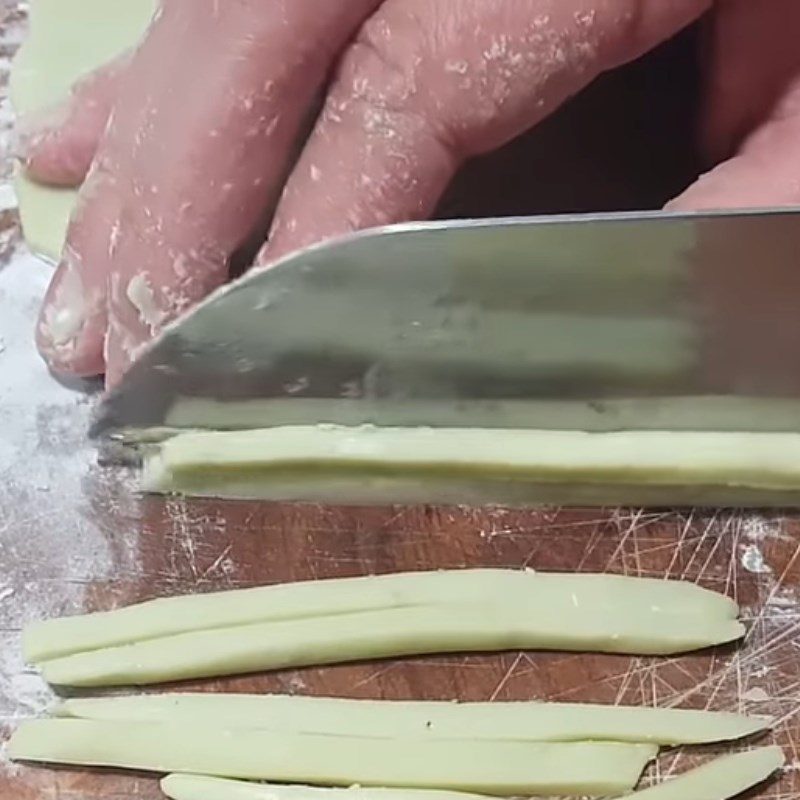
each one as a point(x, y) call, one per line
point(75, 536)
point(190, 546)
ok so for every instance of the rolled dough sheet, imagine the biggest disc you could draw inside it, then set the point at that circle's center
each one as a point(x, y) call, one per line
point(503, 768)
point(517, 721)
point(67, 40)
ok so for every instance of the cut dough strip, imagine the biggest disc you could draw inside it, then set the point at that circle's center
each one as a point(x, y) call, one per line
point(388, 633)
point(543, 594)
point(521, 721)
point(505, 768)
point(242, 463)
point(723, 778)
point(171, 615)
point(200, 787)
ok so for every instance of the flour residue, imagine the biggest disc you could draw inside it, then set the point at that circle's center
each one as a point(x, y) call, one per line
point(53, 544)
point(64, 318)
point(756, 695)
point(756, 528)
point(753, 560)
point(50, 550)
point(143, 300)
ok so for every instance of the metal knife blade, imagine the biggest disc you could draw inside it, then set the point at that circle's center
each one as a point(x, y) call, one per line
point(601, 322)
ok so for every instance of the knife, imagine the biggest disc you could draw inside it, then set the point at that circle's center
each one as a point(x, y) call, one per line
point(595, 322)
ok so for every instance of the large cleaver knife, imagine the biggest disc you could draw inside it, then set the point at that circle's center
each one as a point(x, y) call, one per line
point(598, 322)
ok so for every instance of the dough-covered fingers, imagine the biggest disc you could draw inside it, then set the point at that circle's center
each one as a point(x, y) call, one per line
point(427, 85)
point(57, 145)
point(206, 118)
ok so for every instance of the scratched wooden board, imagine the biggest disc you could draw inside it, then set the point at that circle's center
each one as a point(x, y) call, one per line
point(76, 537)
point(201, 546)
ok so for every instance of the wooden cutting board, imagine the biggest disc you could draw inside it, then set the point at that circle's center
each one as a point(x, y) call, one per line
point(191, 546)
point(74, 536)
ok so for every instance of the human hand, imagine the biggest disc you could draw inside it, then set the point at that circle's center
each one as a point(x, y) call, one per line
point(208, 112)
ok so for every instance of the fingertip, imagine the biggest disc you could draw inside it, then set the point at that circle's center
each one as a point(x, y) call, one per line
point(71, 358)
point(51, 164)
point(57, 144)
point(32, 129)
point(69, 330)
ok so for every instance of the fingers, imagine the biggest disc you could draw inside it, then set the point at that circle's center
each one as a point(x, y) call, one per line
point(765, 171)
point(754, 54)
point(57, 145)
point(427, 85)
point(206, 118)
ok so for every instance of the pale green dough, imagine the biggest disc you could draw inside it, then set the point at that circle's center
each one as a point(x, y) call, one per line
point(491, 767)
point(479, 627)
point(68, 38)
point(722, 778)
point(513, 721)
point(201, 787)
point(44, 213)
point(617, 599)
point(296, 600)
point(367, 464)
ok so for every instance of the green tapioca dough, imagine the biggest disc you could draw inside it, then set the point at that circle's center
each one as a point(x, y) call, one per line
point(201, 787)
point(66, 41)
point(382, 464)
point(720, 779)
point(543, 594)
point(490, 767)
point(477, 627)
point(519, 721)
